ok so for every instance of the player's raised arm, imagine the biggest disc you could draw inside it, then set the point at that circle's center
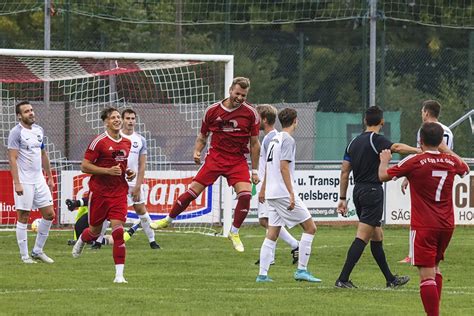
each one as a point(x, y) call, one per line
point(404, 149)
point(201, 141)
point(254, 157)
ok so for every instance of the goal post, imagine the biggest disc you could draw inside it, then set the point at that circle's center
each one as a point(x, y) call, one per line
point(169, 92)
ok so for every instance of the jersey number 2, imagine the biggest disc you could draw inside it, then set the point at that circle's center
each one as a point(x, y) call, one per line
point(443, 175)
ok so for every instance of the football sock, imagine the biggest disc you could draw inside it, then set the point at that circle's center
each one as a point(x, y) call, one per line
point(145, 220)
point(439, 283)
point(242, 208)
point(133, 229)
point(233, 229)
point(182, 203)
point(379, 256)
point(353, 255)
point(105, 225)
point(42, 236)
point(429, 297)
point(87, 236)
point(119, 249)
point(119, 270)
point(410, 248)
point(22, 239)
point(266, 255)
point(305, 250)
point(288, 238)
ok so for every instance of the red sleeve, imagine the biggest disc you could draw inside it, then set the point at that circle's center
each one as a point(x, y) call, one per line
point(205, 123)
point(256, 126)
point(403, 168)
point(461, 168)
point(92, 152)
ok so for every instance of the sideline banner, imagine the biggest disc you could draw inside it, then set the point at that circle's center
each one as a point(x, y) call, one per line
point(398, 205)
point(162, 189)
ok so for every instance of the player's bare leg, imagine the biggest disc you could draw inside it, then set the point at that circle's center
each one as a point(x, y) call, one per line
point(306, 242)
point(180, 205)
point(89, 235)
point(44, 226)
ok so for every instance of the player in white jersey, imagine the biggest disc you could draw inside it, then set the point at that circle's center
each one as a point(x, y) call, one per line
point(430, 111)
point(137, 163)
point(28, 157)
point(268, 114)
point(287, 208)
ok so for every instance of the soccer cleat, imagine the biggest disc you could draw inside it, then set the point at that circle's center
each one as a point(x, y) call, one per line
point(120, 279)
point(42, 257)
point(263, 279)
point(398, 281)
point(295, 254)
point(28, 260)
point(96, 245)
point(271, 263)
point(345, 284)
point(235, 238)
point(154, 245)
point(304, 275)
point(126, 236)
point(162, 223)
point(72, 204)
point(77, 249)
point(407, 259)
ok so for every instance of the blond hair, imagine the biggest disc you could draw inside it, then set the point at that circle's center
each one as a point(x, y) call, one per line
point(243, 82)
point(268, 112)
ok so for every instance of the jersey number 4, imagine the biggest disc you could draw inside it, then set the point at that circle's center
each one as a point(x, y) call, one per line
point(443, 175)
point(270, 154)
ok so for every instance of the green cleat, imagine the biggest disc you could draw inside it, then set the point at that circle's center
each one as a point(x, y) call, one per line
point(162, 223)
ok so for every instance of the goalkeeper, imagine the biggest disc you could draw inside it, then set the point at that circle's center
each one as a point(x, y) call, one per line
point(81, 223)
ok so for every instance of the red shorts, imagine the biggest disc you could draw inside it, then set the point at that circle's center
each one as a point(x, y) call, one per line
point(429, 246)
point(235, 169)
point(104, 207)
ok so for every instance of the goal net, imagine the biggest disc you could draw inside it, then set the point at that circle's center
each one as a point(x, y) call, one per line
point(68, 90)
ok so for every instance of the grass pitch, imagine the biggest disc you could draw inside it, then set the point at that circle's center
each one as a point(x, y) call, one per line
point(196, 274)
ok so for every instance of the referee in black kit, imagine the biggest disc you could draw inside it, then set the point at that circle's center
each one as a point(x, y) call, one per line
point(362, 157)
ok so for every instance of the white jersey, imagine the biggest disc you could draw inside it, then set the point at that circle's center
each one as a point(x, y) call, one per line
point(281, 147)
point(447, 137)
point(29, 143)
point(138, 148)
point(263, 153)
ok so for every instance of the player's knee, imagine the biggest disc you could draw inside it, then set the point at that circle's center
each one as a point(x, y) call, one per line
point(245, 197)
point(263, 222)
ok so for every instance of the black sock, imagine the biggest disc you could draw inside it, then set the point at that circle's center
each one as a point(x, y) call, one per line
point(353, 255)
point(379, 256)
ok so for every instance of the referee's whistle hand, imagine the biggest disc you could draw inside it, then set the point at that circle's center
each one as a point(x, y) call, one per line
point(342, 207)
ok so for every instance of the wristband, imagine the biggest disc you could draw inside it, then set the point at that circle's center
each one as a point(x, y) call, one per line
point(343, 198)
point(254, 171)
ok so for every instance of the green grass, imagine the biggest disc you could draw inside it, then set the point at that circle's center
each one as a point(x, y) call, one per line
point(195, 274)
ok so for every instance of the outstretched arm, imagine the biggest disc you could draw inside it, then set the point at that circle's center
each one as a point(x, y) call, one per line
point(404, 149)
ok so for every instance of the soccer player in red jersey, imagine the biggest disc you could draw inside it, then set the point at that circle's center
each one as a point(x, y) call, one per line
point(106, 159)
point(431, 176)
point(233, 123)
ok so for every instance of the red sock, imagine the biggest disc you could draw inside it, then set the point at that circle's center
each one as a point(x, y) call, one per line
point(87, 236)
point(429, 297)
point(118, 251)
point(182, 202)
point(439, 283)
point(242, 208)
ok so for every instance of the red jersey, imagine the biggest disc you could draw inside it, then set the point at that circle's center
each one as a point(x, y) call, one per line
point(431, 176)
point(231, 129)
point(106, 152)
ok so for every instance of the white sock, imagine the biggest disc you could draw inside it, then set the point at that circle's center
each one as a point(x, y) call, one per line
point(119, 270)
point(42, 235)
point(169, 219)
point(105, 225)
point(145, 221)
point(234, 230)
point(288, 238)
point(410, 250)
point(305, 250)
point(267, 253)
point(22, 239)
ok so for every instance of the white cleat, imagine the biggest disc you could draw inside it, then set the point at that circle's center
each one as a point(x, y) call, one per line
point(28, 260)
point(77, 249)
point(42, 257)
point(120, 279)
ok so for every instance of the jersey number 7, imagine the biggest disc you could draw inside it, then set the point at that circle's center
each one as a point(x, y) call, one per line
point(443, 175)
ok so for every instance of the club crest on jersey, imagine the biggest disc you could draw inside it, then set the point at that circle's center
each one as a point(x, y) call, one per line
point(119, 155)
point(39, 138)
point(229, 126)
point(135, 144)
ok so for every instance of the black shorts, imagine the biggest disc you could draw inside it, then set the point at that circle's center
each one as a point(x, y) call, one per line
point(368, 201)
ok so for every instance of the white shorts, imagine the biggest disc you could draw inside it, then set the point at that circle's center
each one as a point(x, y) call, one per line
point(142, 199)
point(34, 196)
point(281, 216)
point(263, 209)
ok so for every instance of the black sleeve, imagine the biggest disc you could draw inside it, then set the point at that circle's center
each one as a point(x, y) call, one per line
point(381, 143)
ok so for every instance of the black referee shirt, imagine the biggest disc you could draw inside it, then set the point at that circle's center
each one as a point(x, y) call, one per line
point(363, 154)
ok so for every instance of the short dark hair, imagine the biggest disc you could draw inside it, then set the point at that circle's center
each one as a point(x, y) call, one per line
point(287, 116)
point(373, 116)
point(433, 107)
point(431, 134)
point(243, 82)
point(268, 112)
point(106, 113)
point(129, 111)
point(18, 106)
